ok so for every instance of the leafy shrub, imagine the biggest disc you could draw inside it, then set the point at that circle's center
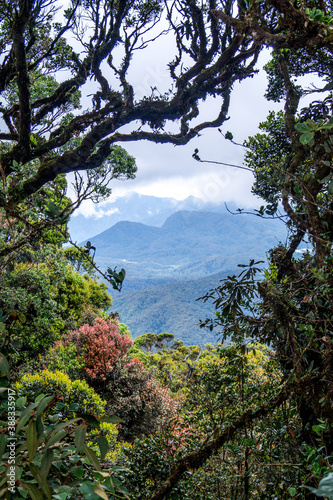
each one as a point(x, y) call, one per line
point(100, 347)
point(141, 401)
point(75, 395)
point(46, 456)
point(42, 297)
point(63, 356)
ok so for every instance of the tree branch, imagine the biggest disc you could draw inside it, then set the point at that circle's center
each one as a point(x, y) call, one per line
point(197, 459)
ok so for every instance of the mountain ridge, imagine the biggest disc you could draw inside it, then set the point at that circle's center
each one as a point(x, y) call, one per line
point(170, 265)
point(184, 239)
point(134, 207)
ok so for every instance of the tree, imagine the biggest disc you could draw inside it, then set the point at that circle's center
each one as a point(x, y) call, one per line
point(143, 403)
point(150, 341)
point(101, 347)
point(244, 467)
point(290, 306)
point(100, 354)
point(54, 127)
point(42, 297)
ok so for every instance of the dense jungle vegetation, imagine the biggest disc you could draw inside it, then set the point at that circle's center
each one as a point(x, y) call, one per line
point(86, 411)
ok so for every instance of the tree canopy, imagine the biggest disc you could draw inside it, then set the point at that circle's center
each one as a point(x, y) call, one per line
point(53, 126)
point(57, 127)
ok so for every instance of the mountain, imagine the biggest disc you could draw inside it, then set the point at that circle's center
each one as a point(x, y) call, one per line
point(169, 266)
point(189, 245)
point(134, 207)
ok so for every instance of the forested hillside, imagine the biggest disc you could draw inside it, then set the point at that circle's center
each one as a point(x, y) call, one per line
point(87, 412)
point(171, 307)
point(169, 267)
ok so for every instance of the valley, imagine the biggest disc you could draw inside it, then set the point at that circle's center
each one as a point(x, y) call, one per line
point(169, 266)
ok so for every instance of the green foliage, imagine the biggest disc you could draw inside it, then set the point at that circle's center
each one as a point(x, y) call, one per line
point(170, 366)
point(63, 357)
point(73, 396)
point(152, 341)
point(317, 15)
point(266, 154)
point(42, 297)
point(325, 487)
point(309, 128)
point(44, 454)
point(116, 279)
point(79, 260)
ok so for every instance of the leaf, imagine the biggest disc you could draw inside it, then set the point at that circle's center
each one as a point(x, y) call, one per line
point(2, 444)
point(20, 402)
point(103, 446)
point(87, 490)
point(4, 383)
point(55, 439)
point(88, 418)
point(44, 485)
point(100, 492)
point(306, 138)
point(66, 424)
point(33, 139)
point(25, 415)
point(21, 317)
point(112, 419)
point(80, 436)
point(78, 471)
point(46, 462)
point(330, 187)
point(92, 457)
point(302, 127)
point(317, 429)
point(325, 487)
point(39, 427)
point(33, 491)
point(73, 407)
point(42, 405)
point(4, 366)
point(325, 179)
point(32, 442)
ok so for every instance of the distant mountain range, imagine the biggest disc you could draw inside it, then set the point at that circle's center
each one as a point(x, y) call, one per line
point(134, 207)
point(189, 245)
point(169, 266)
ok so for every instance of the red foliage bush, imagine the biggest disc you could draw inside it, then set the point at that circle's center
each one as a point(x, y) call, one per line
point(101, 347)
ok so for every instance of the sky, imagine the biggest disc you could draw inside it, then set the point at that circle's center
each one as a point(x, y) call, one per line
point(165, 170)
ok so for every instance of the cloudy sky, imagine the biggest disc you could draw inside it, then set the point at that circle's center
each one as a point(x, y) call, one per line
point(170, 171)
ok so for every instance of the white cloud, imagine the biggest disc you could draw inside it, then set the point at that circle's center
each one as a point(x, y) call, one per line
point(108, 212)
point(96, 211)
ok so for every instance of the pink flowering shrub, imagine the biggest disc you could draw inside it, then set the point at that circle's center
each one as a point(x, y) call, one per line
point(101, 347)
